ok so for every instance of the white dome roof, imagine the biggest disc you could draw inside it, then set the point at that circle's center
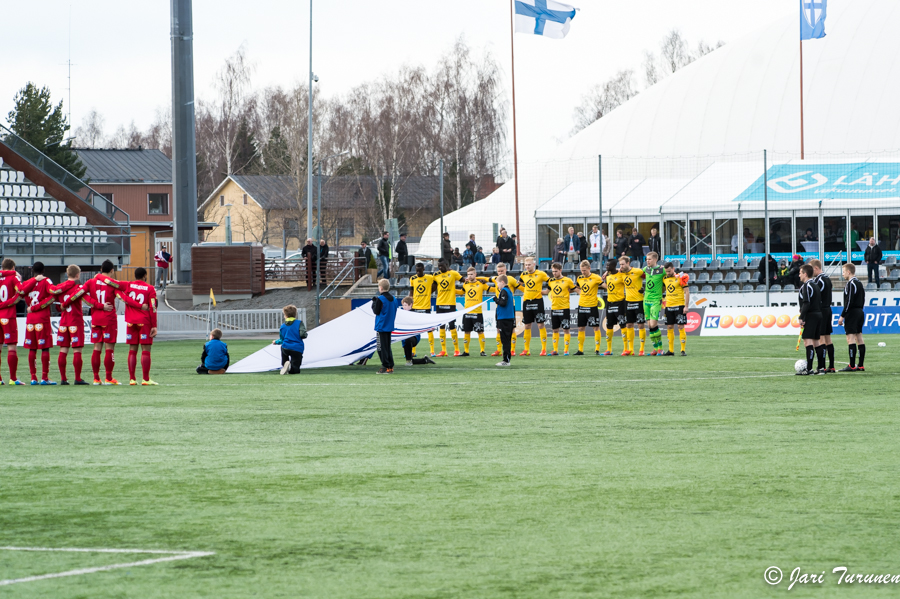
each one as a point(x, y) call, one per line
point(741, 98)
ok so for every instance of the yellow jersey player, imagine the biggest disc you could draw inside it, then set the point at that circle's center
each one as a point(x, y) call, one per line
point(588, 306)
point(560, 291)
point(677, 298)
point(445, 282)
point(422, 288)
point(512, 285)
point(634, 304)
point(532, 282)
point(473, 290)
point(615, 303)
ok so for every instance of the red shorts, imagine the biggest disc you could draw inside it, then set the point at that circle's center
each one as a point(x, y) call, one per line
point(70, 336)
point(138, 334)
point(105, 334)
point(38, 336)
point(9, 331)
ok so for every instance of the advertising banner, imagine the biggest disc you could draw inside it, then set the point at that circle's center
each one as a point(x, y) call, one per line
point(778, 320)
point(54, 324)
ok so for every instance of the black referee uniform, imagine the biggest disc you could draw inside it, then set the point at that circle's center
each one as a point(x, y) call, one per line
point(854, 318)
point(810, 299)
point(825, 287)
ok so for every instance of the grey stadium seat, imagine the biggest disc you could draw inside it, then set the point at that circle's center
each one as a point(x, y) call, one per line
point(716, 277)
point(701, 265)
point(734, 288)
point(404, 282)
point(731, 277)
point(890, 260)
point(703, 277)
point(694, 289)
point(885, 287)
point(676, 264)
point(871, 287)
point(754, 264)
point(714, 265)
point(720, 289)
point(404, 268)
point(741, 264)
point(789, 287)
point(893, 275)
point(635, 264)
point(687, 266)
point(728, 264)
point(896, 286)
point(744, 277)
point(773, 288)
point(706, 289)
point(748, 287)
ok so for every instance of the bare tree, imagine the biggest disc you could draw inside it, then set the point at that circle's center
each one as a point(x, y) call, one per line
point(90, 133)
point(232, 83)
point(159, 135)
point(604, 98)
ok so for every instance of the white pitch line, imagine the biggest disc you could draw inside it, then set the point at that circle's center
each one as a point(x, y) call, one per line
point(171, 556)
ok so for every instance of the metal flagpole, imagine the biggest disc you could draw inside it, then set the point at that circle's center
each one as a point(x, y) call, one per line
point(600, 187)
point(802, 149)
point(766, 208)
point(441, 192)
point(512, 31)
point(309, 144)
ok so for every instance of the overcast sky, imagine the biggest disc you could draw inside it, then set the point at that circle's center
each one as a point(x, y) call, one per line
point(122, 65)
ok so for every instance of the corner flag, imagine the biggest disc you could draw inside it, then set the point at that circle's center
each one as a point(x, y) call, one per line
point(212, 296)
point(812, 19)
point(547, 18)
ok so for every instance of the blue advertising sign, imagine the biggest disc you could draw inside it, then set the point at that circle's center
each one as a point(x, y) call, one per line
point(861, 180)
point(880, 320)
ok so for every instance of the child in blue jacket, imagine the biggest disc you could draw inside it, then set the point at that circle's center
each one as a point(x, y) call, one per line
point(215, 358)
point(290, 338)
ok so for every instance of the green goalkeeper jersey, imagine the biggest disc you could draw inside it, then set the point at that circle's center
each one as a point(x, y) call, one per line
point(653, 281)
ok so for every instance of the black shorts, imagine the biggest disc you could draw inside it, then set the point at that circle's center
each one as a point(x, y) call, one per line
point(533, 311)
point(559, 319)
point(675, 315)
point(426, 311)
point(853, 321)
point(473, 322)
point(634, 312)
point(445, 310)
point(588, 317)
point(616, 314)
point(827, 328)
point(812, 328)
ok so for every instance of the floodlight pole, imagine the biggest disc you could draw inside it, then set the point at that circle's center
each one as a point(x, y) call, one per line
point(512, 49)
point(600, 187)
point(309, 140)
point(441, 192)
point(766, 209)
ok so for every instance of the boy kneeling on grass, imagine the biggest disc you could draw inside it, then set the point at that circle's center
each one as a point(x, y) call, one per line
point(215, 358)
point(410, 343)
point(290, 338)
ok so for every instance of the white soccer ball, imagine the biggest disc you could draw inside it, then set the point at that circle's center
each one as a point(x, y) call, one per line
point(882, 344)
point(800, 366)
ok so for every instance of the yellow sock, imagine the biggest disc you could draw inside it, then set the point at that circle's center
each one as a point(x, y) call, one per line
point(481, 341)
point(527, 339)
point(455, 340)
point(514, 343)
point(466, 350)
point(443, 341)
point(499, 344)
point(671, 333)
point(414, 352)
point(682, 335)
point(431, 341)
point(556, 342)
point(626, 338)
point(567, 338)
point(609, 336)
point(596, 340)
point(643, 334)
point(543, 333)
point(581, 341)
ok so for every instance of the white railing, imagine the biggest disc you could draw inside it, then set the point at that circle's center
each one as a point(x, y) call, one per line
point(198, 323)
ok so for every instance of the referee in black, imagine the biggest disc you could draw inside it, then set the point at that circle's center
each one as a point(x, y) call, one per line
point(852, 319)
point(811, 319)
point(825, 287)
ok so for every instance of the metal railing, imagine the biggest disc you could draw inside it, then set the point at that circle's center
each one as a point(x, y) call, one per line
point(301, 270)
point(350, 273)
point(198, 323)
point(72, 241)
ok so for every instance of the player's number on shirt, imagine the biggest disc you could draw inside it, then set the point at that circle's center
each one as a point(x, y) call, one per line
point(4, 294)
point(101, 296)
point(34, 295)
point(65, 299)
point(138, 297)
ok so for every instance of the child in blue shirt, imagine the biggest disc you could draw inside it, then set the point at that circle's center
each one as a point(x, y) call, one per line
point(215, 358)
point(290, 338)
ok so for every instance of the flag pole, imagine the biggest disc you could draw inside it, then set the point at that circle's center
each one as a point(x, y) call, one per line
point(512, 31)
point(802, 149)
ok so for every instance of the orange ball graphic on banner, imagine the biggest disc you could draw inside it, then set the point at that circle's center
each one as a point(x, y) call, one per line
point(769, 321)
point(784, 320)
point(741, 321)
point(795, 322)
point(726, 321)
point(755, 321)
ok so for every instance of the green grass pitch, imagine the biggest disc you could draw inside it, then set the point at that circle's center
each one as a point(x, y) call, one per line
point(557, 477)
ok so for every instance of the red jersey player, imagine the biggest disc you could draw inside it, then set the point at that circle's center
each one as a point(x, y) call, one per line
point(9, 330)
point(140, 319)
point(40, 295)
point(71, 325)
point(100, 294)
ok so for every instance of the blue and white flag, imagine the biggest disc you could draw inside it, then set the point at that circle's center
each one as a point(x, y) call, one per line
point(812, 19)
point(544, 17)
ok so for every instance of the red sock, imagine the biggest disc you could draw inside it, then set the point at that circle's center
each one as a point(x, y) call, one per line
point(145, 365)
point(45, 364)
point(61, 362)
point(132, 363)
point(95, 364)
point(32, 363)
point(77, 363)
point(109, 362)
point(13, 359)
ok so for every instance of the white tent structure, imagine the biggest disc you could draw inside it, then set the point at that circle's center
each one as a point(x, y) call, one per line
point(738, 100)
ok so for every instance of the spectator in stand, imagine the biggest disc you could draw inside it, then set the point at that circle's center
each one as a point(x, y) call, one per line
point(793, 273)
point(773, 270)
point(468, 256)
point(573, 246)
point(365, 258)
point(583, 250)
point(514, 247)
point(163, 259)
point(495, 255)
point(384, 257)
point(559, 253)
point(401, 251)
point(479, 256)
point(621, 244)
point(471, 245)
point(854, 237)
point(507, 247)
point(446, 248)
point(654, 243)
point(636, 244)
point(873, 261)
point(597, 243)
point(309, 254)
point(457, 257)
point(323, 260)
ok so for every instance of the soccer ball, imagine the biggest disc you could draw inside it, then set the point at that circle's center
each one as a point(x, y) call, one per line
point(800, 366)
point(882, 344)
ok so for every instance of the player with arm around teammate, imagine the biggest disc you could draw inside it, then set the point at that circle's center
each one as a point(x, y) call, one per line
point(422, 287)
point(445, 284)
point(613, 282)
point(588, 285)
point(532, 283)
point(9, 329)
point(678, 297)
point(634, 304)
point(70, 334)
point(560, 314)
point(473, 290)
point(653, 292)
point(100, 295)
point(140, 324)
point(40, 294)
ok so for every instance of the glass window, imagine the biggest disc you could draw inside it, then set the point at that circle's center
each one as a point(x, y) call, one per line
point(108, 196)
point(547, 239)
point(701, 239)
point(345, 227)
point(675, 239)
point(221, 200)
point(834, 234)
point(754, 237)
point(807, 236)
point(159, 203)
point(245, 199)
point(861, 229)
point(727, 238)
point(780, 236)
point(889, 232)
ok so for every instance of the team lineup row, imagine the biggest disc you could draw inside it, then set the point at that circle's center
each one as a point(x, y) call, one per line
point(100, 293)
point(634, 299)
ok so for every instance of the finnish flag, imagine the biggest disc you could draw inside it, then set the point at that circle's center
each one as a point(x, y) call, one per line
point(544, 17)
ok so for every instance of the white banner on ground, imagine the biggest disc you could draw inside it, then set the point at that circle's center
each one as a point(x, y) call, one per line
point(54, 326)
point(346, 339)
